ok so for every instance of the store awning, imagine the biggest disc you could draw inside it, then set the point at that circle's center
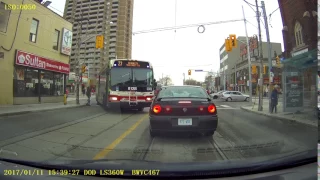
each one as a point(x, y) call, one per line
point(303, 61)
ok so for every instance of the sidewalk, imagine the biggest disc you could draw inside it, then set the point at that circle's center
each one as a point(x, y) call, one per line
point(308, 116)
point(9, 110)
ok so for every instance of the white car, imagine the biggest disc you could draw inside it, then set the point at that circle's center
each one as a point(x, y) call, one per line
point(234, 96)
point(216, 95)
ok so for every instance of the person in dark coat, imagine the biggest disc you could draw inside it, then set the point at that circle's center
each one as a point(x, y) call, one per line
point(274, 99)
point(89, 94)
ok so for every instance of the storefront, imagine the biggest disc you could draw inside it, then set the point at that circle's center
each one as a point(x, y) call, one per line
point(38, 79)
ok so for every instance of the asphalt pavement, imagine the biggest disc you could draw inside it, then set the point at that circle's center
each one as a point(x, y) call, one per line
point(92, 133)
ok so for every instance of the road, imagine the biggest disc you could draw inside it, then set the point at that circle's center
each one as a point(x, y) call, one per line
point(93, 133)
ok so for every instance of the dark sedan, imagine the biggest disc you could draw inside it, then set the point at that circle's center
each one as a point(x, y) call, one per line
point(183, 109)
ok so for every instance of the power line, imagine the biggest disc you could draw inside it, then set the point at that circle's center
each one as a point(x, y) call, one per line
point(186, 66)
point(250, 4)
point(275, 11)
point(185, 26)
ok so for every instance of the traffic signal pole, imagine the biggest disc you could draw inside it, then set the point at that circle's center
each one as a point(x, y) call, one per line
point(269, 51)
point(260, 107)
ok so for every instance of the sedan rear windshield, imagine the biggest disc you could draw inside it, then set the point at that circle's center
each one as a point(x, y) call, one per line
point(176, 92)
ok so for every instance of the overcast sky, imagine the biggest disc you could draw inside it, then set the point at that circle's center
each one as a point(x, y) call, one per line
point(173, 53)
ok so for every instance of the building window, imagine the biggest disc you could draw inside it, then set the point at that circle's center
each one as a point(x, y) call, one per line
point(34, 30)
point(25, 82)
point(298, 34)
point(4, 17)
point(56, 40)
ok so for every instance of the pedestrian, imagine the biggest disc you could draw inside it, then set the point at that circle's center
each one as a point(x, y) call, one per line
point(274, 99)
point(266, 91)
point(88, 95)
point(83, 90)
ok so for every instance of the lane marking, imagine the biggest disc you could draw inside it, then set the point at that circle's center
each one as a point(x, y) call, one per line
point(105, 151)
point(225, 106)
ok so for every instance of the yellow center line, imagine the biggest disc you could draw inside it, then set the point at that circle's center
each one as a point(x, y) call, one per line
point(105, 151)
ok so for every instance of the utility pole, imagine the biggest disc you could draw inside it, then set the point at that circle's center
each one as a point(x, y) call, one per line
point(224, 78)
point(78, 69)
point(235, 76)
point(269, 50)
point(260, 108)
point(248, 56)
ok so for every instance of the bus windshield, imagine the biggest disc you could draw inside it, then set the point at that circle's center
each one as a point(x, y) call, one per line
point(122, 78)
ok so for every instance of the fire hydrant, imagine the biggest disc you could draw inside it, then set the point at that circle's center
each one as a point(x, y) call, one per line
point(65, 99)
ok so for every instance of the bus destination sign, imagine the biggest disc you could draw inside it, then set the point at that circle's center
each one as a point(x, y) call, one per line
point(137, 64)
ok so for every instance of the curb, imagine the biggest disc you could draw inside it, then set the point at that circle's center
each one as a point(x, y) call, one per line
point(37, 110)
point(280, 118)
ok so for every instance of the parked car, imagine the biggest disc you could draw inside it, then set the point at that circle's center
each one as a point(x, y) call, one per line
point(183, 109)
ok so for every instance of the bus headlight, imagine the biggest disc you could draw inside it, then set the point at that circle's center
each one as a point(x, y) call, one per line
point(113, 98)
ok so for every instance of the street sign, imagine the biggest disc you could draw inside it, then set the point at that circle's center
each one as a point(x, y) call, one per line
point(198, 70)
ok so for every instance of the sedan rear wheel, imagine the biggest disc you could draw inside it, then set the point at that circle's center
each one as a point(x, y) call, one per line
point(247, 99)
point(152, 133)
point(229, 99)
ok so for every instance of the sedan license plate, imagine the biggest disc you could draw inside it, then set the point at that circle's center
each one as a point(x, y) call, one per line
point(185, 122)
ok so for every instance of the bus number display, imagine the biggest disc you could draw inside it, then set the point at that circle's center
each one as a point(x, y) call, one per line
point(131, 64)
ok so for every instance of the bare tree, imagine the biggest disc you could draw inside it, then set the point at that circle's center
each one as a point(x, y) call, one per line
point(166, 81)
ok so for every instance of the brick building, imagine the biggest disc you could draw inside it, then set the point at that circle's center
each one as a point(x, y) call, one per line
point(300, 25)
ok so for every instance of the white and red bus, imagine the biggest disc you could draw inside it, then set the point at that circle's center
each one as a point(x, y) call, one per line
point(130, 85)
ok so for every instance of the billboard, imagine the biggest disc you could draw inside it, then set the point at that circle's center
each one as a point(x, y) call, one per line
point(66, 42)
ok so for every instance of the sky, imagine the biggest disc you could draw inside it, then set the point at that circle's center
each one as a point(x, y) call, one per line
point(174, 53)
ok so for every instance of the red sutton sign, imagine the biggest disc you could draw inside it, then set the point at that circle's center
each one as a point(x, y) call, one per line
point(38, 62)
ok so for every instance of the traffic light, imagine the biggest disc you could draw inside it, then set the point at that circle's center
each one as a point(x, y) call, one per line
point(264, 69)
point(189, 72)
point(233, 40)
point(83, 68)
point(254, 69)
point(227, 45)
point(99, 41)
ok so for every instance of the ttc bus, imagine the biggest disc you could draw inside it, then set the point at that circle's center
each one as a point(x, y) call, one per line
point(130, 85)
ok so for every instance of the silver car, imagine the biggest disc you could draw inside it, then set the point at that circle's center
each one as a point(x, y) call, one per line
point(234, 96)
point(216, 95)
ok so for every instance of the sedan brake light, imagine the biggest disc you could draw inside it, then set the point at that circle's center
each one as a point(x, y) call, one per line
point(156, 109)
point(184, 102)
point(212, 108)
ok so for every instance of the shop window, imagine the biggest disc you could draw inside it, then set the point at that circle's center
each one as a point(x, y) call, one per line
point(58, 84)
point(46, 85)
point(4, 17)
point(25, 82)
